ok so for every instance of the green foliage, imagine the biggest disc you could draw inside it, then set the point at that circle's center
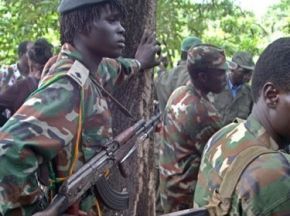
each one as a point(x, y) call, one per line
point(277, 20)
point(25, 20)
point(220, 22)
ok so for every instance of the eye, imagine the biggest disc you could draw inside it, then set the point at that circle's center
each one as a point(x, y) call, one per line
point(112, 19)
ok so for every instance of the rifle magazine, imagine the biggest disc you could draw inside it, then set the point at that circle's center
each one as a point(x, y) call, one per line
point(112, 199)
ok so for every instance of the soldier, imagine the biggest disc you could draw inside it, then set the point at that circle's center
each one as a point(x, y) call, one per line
point(14, 96)
point(167, 82)
point(189, 120)
point(263, 186)
point(236, 99)
point(10, 74)
point(66, 121)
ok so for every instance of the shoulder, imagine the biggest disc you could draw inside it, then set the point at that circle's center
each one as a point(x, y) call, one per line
point(76, 72)
point(106, 63)
point(182, 98)
point(221, 138)
point(179, 70)
point(181, 109)
point(266, 181)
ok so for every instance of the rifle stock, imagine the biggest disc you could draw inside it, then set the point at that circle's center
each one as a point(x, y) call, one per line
point(87, 176)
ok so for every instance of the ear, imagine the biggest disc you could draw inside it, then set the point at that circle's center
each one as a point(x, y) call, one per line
point(271, 95)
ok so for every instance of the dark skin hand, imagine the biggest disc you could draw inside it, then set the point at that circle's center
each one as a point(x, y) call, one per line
point(147, 50)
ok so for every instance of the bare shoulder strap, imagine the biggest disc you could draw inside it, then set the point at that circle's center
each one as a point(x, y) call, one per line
point(220, 202)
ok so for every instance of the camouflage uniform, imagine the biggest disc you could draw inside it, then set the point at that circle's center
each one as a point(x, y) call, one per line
point(8, 76)
point(188, 122)
point(263, 188)
point(234, 107)
point(239, 104)
point(47, 129)
point(170, 80)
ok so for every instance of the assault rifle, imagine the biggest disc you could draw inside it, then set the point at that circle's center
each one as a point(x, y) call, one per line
point(92, 172)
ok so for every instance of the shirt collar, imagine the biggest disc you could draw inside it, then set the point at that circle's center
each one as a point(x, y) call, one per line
point(255, 128)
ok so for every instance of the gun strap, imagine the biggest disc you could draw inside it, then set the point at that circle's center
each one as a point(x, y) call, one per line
point(118, 104)
point(48, 82)
point(220, 202)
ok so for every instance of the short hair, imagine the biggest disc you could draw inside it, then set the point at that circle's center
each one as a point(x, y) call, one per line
point(40, 52)
point(80, 19)
point(273, 66)
point(22, 48)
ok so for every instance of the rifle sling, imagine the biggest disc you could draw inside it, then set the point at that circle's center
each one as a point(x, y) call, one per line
point(241, 162)
point(118, 104)
point(220, 202)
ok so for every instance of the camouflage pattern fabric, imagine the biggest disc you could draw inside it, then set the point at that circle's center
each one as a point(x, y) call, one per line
point(231, 107)
point(188, 122)
point(169, 81)
point(8, 76)
point(44, 131)
point(263, 188)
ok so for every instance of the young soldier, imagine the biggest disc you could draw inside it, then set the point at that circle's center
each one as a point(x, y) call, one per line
point(67, 119)
point(189, 120)
point(263, 187)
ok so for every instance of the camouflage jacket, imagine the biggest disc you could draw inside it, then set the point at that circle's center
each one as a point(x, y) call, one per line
point(169, 81)
point(63, 124)
point(231, 107)
point(189, 120)
point(8, 76)
point(263, 188)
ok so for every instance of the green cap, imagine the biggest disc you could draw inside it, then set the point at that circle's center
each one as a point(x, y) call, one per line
point(244, 60)
point(189, 42)
point(206, 56)
point(68, 5)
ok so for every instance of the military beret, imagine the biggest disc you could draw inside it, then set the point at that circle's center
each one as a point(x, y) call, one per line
point(67, 5)
point(206, 56)
point(189, 42)
point(244, 60)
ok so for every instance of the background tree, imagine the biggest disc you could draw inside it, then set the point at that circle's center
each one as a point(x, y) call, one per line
point(221, 22)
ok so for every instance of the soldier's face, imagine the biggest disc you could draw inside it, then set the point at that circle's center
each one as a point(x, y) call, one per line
point(248, 76)
point(106, 38)
point(280, 116)
point(216, 81)
point(278, 103)
point(237, 76)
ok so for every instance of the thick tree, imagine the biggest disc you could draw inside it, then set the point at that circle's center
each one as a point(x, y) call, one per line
point(136, 95)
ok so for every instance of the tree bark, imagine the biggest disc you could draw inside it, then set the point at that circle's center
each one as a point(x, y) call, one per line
point(137, 96)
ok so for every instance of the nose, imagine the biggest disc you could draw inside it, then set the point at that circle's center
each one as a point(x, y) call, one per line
point(121, 29)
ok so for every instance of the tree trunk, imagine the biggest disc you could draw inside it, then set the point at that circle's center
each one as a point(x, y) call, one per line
point(137, 96)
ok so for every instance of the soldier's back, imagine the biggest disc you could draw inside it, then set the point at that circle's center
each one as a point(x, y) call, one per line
point(263, 188)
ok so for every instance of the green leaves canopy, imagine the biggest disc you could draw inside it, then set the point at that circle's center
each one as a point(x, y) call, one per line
point(220, 22)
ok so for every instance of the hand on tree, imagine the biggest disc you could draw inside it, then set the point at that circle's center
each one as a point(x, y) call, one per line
point(147, 50)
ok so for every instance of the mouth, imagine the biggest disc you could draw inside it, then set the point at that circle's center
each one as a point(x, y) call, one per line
point(121, 43)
